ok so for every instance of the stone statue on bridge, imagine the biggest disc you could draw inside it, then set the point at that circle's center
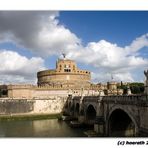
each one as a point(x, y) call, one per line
point(146, 82)
point(146, 73)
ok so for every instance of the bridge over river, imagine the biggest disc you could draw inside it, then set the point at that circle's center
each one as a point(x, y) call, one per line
point(111, 115)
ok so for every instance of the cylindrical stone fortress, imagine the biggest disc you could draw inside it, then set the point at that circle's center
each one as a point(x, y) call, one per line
point(66, 75)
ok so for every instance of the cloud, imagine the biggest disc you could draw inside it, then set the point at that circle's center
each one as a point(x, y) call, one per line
point(112, 59)
point(106, 77)
point(137, 44)
point(17, 68)
point(43, 34)
point(38, 31)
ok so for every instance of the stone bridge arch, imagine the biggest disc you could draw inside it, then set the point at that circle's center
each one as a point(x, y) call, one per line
point(121, 122)
point(71, 107)
point(77, 109)
point(90, 114)
point(69, 104)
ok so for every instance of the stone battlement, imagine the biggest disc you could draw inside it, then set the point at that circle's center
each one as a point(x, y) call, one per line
point(21, 86)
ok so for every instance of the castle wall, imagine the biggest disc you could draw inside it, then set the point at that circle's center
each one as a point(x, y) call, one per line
point(45, 93)
point(51, 106)
point(20, 93)
point(32, 92)
point(10, 106)
point(29, 99)
point(64, 76)
point(36, 106)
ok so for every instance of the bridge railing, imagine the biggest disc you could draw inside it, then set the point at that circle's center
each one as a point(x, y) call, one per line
point(132, 99)
point(91, 99)
point(86, 98)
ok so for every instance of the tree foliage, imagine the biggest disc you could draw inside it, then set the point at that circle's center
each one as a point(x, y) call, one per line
point(124, 87)
point(136, 88)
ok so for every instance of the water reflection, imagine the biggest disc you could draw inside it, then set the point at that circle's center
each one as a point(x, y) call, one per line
point(38, 128)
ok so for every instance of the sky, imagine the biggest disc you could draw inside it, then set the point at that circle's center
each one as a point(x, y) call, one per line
point(107, 43)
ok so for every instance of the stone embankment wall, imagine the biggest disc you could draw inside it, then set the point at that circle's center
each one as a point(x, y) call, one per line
point(51, 105)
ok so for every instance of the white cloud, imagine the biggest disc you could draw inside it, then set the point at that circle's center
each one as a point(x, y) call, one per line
point(111, 58)
point(106, 54)
point(17, 68)
point(104, 77)
point(38, 31)
point(42, 33)
point(137, 44)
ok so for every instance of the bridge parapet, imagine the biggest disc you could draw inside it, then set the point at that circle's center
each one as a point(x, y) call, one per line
point(129, 100)
point(91, 99)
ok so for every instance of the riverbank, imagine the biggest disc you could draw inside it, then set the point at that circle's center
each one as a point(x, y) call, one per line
point(11, 117)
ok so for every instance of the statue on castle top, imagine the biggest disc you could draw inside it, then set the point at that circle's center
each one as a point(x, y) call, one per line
point(64, 55)
point(112, 78)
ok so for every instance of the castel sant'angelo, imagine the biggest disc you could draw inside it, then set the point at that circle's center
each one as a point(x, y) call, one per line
point(66, 75)
point(65, 79)
point(53, 88)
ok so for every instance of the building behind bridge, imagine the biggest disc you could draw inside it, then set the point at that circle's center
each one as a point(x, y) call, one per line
point(65, 79)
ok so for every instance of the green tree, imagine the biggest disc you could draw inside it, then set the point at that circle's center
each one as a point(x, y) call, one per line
point(124, 87)
point(137, 88)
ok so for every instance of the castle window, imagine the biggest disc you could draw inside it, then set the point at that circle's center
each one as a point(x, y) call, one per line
point(67, 70)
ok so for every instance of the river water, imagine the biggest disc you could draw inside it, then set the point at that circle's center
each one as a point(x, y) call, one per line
point(39, 128)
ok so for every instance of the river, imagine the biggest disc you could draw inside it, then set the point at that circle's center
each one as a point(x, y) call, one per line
point(39, 128)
